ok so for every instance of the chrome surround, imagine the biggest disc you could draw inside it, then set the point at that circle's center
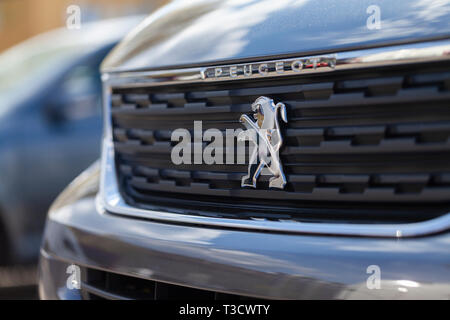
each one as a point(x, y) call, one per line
point(346, 60)
point(110, 200)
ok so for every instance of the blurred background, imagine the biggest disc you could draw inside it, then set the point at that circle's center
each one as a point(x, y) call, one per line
point(50, 113)
point(22, 19)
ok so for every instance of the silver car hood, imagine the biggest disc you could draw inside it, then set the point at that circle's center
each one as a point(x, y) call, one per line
point(193, 33)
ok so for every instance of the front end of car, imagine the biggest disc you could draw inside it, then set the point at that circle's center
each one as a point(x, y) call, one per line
point(352, 203)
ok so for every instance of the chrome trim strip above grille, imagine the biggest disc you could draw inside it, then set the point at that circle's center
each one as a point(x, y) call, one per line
point(367, 58)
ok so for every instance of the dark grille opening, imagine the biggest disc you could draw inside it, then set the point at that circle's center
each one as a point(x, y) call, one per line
point(97, 284)
point(371, 146)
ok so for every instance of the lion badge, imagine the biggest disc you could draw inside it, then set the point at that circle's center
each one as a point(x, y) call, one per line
point(265, 134)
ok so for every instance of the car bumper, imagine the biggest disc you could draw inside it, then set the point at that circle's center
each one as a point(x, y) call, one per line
point(256, 264)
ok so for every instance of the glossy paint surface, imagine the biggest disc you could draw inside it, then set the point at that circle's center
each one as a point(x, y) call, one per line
point(203, 32)
point(257, 264)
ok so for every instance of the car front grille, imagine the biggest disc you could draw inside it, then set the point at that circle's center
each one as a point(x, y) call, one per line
point(376, 136)
point(104, 285)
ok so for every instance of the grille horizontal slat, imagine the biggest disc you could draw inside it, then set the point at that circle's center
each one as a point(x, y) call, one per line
point(414, 130)
point(325, 147)
point(407, 138)
point(293, 178)
point(350, 138)
point(337, 100)
point(385, 146)
point(315, 164)
point(316, 194)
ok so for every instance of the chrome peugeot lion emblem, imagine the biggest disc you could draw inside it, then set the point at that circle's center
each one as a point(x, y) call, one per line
point(265, 134)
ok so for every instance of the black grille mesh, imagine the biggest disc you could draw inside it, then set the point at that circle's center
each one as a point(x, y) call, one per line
point(103, 285)
point(352, 138)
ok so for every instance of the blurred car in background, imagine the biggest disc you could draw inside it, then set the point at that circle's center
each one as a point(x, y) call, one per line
point(50, 124)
